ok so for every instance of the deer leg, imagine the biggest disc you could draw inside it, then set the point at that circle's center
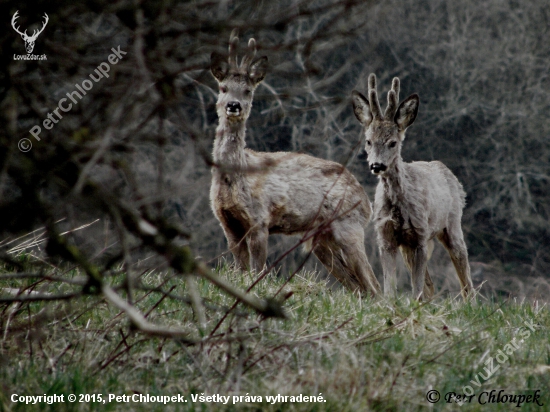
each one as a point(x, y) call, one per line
point(429, 290)
point(357, 267)
point(387, 256)
point(418, 272)
point(257, 247)
point(328, 253)
point(453, 241)
point(408, 258)
point(361, 267)
point(239, 249)
point(332, 258)
point(342, 252)
point(236, 240)
point(350, 240)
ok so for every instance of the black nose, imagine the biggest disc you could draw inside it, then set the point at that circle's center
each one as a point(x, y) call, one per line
point(234, 107)
point(378, 167)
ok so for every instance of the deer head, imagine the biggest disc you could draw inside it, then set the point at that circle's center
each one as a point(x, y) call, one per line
point(237, 82)
point(384, 133)
point(29, 40)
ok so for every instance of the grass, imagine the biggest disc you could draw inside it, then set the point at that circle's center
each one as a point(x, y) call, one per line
point(360, 354)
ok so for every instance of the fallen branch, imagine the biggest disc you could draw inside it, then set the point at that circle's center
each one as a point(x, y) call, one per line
point(139, 321)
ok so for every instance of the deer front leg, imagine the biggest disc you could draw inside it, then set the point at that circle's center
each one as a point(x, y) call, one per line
point(257, 246)
point(236, 241)
point(387, 256)
point(408, 256)
point(420, 263)
point(239, 249)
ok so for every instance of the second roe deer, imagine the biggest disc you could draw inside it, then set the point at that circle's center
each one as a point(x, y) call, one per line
point(255, 194)
point(414, 202)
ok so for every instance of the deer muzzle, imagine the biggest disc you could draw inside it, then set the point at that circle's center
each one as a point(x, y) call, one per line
point(377, 168)
point(233, 109)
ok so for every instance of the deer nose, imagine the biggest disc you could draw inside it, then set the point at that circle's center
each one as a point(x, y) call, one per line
point(377, 168)
point(233, 107)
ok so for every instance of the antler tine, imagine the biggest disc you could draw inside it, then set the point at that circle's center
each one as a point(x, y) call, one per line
point(393, 99)
point(395, 87)
point(250, 54)
point(35, 33)
point(233, 44)
point(15, 16)
point(373, 98)
point(13, 22)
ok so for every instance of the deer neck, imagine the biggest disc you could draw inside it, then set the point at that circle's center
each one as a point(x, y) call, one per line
point(229, 145)
point(393, 182)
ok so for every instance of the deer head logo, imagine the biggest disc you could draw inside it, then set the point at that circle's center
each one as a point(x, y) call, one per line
point(29, 40)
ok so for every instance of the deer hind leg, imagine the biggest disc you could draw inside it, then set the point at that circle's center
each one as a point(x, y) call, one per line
point(351, 242)
point(408, 257)
point(348, 263)
point(358, 265)
point(453, 240)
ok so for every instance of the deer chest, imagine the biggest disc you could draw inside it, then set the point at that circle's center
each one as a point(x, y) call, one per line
point(398, 227)
point(224, 192)
point(229, 201)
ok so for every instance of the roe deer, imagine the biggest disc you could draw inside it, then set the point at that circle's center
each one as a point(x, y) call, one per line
point(254, 194)
point(414, 202)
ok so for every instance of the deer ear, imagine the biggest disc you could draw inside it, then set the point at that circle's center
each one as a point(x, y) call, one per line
point(219, 66)
point(361, 108)
point(407, 111)
point(258, 69)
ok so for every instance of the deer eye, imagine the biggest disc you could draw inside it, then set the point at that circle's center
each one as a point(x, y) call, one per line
point(247, 92)
point(369, 143)
point(223, 89)
point(392, 144)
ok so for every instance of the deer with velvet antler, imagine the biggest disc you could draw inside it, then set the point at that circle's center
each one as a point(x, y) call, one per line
point(255, 194)
point(414, 202)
